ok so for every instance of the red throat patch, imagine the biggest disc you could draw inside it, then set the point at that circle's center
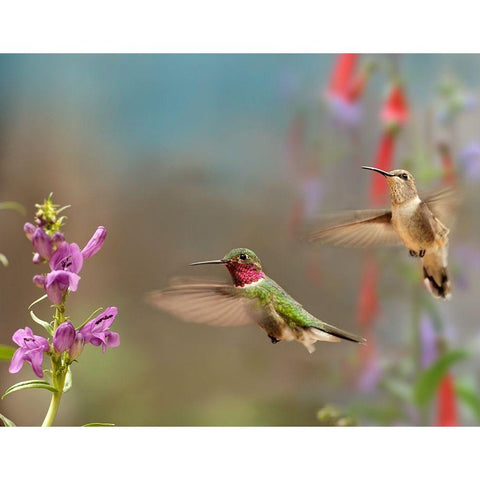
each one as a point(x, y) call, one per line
point(244, 274)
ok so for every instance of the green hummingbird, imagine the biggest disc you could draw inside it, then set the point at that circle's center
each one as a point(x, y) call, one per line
point(253, 298)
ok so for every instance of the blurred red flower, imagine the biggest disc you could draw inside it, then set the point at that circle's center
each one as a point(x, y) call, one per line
point(384, 160)
point(342, 75)
point(446, 403)
point(368, 305)
point(449, 176)
point(395, 110)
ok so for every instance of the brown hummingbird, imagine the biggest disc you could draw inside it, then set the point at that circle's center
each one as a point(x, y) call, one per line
point(416, 223)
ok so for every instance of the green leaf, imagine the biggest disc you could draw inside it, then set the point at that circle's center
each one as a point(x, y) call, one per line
point(429, 380)
point(99, 425)
point(7, 422)
point(469, 395)
point(44, 324)
point(12, 206)
point(3, 260)
point(29, 384)
point(38, 300)
point(6, 352)
point(68, 381)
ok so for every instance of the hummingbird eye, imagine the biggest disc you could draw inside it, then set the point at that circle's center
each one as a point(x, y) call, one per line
point(404, 176)
point(243, 256)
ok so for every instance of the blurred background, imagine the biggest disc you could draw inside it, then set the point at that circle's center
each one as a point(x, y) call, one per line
point(183, 157)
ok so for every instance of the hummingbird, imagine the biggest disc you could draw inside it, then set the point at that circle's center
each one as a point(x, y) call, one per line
point(415, 223)
point(253, 298)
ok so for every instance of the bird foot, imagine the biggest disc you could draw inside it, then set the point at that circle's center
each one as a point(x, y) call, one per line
point(273, 339)
point(420, 254)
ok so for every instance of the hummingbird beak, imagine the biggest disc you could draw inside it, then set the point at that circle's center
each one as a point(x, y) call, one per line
point(383, 172)
point(208, 262)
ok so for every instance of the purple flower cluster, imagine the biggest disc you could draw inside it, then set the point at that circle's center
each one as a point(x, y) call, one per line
point(65, 259)
point(66, 339)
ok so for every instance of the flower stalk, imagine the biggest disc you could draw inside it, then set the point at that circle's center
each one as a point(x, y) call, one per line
point(66, 344)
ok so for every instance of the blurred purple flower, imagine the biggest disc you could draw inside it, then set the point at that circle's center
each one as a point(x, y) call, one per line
point(95, 243)
point(468, 258)
point(31, 350)
point(470, 102)
point(470, 160)
point(344, 114)
point(370, 376)
point(428, 339)
point(64, 337)
point(96, 330)
point(312, 190)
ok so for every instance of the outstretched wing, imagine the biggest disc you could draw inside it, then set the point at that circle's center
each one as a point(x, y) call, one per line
point(443, 203)
point(212, 303)
point(358, 228)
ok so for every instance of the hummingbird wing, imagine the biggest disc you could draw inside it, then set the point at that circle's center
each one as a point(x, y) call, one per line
point(358, 228)
point(208, 302)
point(443, 203)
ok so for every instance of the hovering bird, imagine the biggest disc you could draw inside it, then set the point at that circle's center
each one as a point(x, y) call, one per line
point(416, 223)
point(253, 298)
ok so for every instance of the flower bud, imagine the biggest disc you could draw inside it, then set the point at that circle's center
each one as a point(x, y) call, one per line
point(36, 258)
point(39, 281)
point(57, 239)
point(95, 243)
point(29, 230)
point(64, 337)
point(77, 347)
point(42, 243)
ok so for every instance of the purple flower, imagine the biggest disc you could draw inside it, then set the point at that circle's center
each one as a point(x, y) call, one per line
point(58, 282)
point(57, 239)
point(344, 114)
point(64, 337)
point(95, 243)
point(67, 257)
point(31, 350)
point(29, 230)
point(66, 262)
point(42, 243)
point(77, 347)
point(96, 330)
point(470, 160)
point(428, 339)
point(312, 190)
point(370, 376)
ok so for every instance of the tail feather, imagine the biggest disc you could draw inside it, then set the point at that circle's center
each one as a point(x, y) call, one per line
point(435, 274)
point(335, 334)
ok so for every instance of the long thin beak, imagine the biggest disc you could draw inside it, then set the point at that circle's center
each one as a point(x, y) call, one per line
point(383, 172)
point(208, 262)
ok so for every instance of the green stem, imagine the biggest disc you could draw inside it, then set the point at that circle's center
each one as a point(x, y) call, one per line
point(52, 410)
point(58, 375)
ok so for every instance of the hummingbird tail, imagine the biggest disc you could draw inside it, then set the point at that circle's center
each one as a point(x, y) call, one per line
point(329, 333)
point(435, 274)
